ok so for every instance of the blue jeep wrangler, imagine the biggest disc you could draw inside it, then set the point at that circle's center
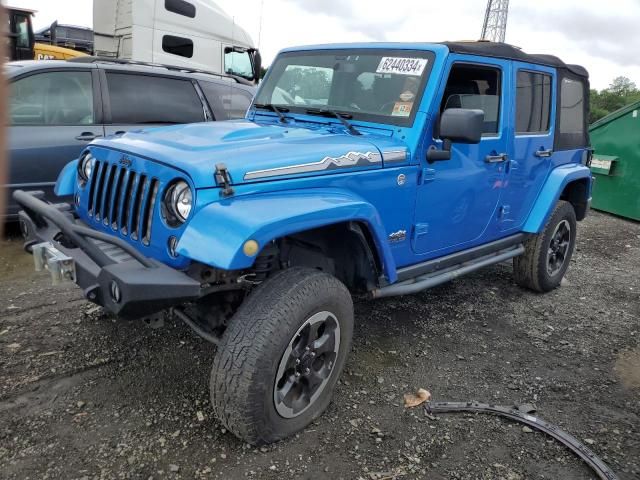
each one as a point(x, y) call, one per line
point(364, 170)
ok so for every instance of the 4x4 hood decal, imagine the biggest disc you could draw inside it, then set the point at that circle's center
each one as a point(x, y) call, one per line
point(255, 152)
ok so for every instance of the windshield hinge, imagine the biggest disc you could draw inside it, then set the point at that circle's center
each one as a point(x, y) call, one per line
point(223, 179)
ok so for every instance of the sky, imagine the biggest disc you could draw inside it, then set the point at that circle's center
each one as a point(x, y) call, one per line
point(603, 36)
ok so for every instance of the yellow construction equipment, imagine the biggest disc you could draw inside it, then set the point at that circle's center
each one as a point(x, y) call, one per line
point(44, 51)
point(22, 45)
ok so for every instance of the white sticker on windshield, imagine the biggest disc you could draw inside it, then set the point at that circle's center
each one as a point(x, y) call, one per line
point(402, 66)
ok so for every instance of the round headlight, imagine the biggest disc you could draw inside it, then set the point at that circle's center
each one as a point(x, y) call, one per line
point(85, 167)
point(179, 201)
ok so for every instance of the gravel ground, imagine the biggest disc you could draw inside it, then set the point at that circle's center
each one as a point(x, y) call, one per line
point(85, 396)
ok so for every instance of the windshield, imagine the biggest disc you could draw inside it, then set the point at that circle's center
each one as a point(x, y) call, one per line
point(383, 86)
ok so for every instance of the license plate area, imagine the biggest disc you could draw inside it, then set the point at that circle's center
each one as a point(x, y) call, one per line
point(61, 267)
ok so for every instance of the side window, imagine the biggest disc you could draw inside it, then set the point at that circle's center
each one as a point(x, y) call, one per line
point(86, 35)
point(135, 100)
point(79, 34)
point(53, 98)
point(22, 31)
point(572, 107)
point(238, 63)
point(181, 7)
point(62, 33)
point(475, 87)
point(533, 102)
point(227, 101)
point(180, 46)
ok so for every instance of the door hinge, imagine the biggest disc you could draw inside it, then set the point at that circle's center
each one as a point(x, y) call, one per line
point(427, 175)
point(420, 230)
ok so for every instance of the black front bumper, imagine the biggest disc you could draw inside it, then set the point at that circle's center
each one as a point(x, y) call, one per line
point(111, 272)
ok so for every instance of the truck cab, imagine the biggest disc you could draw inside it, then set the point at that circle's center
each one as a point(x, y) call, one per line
point(196, 34)
point(360, 170)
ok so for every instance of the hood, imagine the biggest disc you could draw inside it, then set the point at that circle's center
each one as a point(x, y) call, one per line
point(255, 152)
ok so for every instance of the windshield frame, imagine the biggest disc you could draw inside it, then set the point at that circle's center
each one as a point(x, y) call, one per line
point(355, 115)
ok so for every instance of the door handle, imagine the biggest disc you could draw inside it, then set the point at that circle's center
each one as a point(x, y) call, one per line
point(543, 153)
point(87, 136)
point(498, 158)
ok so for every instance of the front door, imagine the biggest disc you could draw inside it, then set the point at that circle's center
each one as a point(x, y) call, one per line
point(54, 116)
point(534, 113)
point(457, 199)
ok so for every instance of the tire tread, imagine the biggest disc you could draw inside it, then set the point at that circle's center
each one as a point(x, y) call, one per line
point(528, 268)
point(237, 391)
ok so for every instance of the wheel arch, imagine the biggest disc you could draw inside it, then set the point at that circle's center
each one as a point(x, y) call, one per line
point(568, 182)
point(577, 193)
point(347, 250)
point(217, 233)
point(66, 182)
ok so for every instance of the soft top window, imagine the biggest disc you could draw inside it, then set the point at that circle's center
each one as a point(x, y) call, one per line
point(573, 112)
point(533, 102)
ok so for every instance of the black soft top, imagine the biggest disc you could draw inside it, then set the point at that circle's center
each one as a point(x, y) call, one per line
point(503, 50)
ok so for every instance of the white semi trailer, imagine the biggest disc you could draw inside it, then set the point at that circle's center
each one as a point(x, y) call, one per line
point(196, 34)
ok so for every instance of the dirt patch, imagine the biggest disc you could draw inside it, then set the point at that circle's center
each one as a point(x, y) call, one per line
point(14, 264)
point(85, 396)
point(628, 368)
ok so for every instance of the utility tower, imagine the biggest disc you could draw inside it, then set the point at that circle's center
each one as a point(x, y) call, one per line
point(495, 20)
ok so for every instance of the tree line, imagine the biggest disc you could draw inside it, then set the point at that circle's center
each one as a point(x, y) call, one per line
point(620, 93)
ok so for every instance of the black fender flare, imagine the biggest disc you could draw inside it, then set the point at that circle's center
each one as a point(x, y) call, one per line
point(523, 415)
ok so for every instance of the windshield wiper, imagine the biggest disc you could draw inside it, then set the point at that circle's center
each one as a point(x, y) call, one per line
point(277, 110)
point(339, 115)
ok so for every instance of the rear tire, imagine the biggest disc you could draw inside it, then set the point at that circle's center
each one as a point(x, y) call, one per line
point(265, 384)
point(548, 254)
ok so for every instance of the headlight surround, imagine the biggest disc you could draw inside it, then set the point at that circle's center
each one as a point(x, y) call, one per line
point(178, 203)
point(85, 167)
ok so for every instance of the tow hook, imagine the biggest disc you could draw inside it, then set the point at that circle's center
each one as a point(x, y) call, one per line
point(223, 179)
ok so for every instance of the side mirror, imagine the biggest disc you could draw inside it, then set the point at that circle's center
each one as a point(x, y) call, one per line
point(256, 60)
point(457, 125)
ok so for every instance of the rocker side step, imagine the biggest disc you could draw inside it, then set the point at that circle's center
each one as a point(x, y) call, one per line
point(424, 282)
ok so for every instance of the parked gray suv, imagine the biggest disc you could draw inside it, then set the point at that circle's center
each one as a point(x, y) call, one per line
point(57, 107)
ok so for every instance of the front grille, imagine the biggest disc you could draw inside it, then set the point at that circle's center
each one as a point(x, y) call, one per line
point(123, 200)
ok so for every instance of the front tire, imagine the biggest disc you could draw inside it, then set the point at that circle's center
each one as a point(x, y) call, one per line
point(280, 358)
point(548, 254)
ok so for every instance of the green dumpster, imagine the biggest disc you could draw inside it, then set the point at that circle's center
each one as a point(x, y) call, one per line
point(616, 162)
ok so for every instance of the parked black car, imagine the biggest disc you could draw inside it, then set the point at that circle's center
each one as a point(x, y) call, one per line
point(68, 36)
point(57, 107)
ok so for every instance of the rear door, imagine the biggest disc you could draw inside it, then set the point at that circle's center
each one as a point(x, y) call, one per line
point(226, 100)
point(532, 152)
point(53, 116)
point(137, 100)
